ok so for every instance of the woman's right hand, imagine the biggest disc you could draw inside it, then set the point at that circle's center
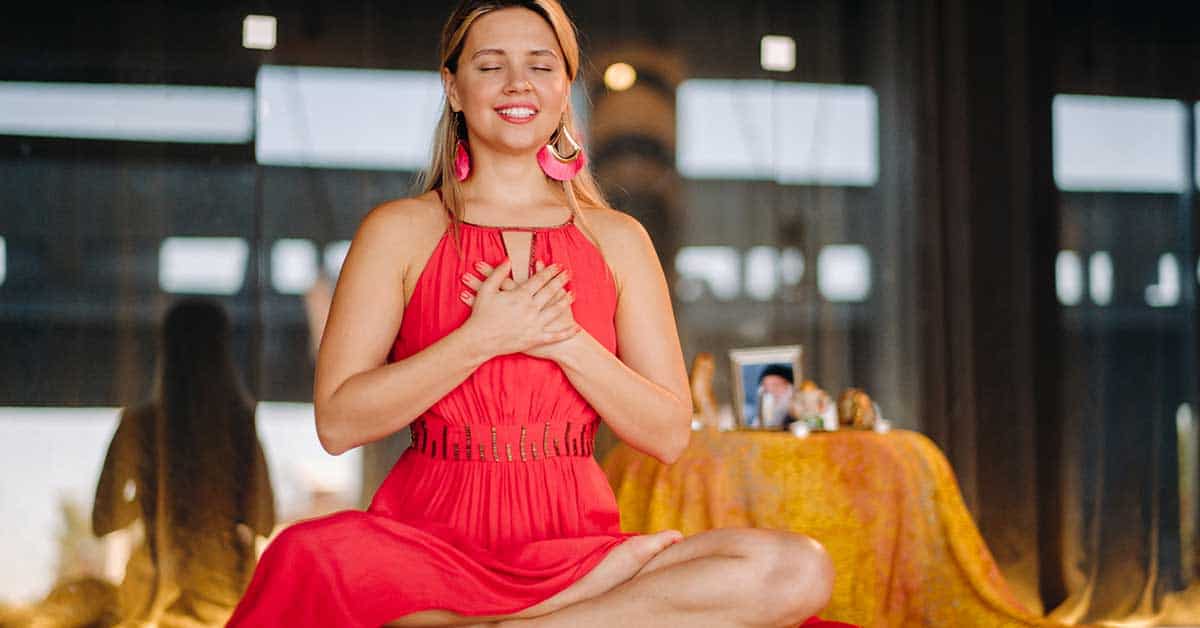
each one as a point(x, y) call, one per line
point(511, 318)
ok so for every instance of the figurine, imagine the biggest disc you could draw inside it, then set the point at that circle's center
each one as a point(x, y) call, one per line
point(856, 410)
point(704, 402)
point(814, 407)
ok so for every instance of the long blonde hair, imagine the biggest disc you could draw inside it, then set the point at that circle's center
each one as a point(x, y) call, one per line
point(580, 190)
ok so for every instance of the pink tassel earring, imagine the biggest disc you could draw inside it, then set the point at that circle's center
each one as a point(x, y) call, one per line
point(556, 166)
point(462, 158)
point(462, 162)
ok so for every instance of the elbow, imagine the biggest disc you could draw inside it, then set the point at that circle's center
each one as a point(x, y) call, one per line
point(332, 440)
point(676, 442)
point(331, 443)
point(331, 446)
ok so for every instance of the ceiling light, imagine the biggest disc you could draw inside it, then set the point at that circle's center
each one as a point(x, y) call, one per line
point(778, 53)
point(620, 76)
point(258, 31)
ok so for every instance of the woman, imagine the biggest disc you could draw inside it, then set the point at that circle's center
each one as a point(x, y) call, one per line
point(189, 466)
point(484, 315)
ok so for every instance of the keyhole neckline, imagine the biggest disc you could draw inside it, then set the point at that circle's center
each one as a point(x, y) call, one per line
point(569, 221)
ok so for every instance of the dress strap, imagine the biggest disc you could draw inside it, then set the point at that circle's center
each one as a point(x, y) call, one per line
point(450, 216)
point(522, 442)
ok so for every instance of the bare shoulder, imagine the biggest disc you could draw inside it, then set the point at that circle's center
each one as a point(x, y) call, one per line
point(624, 242)
point(404, 220)
point(616, 228)
point(403, 229)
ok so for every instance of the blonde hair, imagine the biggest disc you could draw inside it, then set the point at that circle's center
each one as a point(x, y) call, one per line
point(580, 190)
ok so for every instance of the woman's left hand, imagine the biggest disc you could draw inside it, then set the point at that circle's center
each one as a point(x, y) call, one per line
point(566, 320)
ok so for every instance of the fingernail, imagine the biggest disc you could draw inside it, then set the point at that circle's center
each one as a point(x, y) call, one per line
point(479, 265)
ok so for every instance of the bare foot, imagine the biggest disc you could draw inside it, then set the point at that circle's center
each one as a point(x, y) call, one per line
point(621, 564)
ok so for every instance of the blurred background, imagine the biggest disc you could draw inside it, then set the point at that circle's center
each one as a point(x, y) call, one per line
point(983, 214)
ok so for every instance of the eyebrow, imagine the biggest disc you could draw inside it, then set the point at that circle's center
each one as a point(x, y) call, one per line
point(498, 51)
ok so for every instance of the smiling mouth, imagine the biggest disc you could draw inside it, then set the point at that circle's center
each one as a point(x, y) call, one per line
point(517, 115)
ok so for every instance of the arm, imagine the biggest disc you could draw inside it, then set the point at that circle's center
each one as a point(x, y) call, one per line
point(642, 391)
point(357, 396)
point(111, 511)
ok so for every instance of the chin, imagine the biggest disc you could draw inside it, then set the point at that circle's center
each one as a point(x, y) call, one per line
point(524, 144)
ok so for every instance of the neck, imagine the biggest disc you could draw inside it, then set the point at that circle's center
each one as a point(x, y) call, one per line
point(511, 181)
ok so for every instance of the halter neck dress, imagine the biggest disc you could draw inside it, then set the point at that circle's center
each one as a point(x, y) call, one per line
point(497, 505)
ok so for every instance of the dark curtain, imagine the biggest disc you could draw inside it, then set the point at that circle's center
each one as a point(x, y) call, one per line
point(1055, 421)
point(981, 91)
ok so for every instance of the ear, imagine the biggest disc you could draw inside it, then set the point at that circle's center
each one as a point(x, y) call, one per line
point(450, 85)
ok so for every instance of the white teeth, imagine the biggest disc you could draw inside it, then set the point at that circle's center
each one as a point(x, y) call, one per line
point(517, 112)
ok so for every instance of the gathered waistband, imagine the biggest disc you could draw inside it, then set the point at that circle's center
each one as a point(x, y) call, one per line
point(522, 442)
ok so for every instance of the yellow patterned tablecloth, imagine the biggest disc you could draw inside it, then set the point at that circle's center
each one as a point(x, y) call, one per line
point(886, 506)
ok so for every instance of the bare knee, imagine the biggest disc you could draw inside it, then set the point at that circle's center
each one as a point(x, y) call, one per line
point(793, 576)
point(803, 572)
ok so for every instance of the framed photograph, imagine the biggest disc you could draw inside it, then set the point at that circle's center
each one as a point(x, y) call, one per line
point(764, 380)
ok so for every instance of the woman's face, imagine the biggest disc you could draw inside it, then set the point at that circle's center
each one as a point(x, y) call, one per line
point(510, 57)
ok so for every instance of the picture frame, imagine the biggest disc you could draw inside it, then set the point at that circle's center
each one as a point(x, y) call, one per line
point(749, 367)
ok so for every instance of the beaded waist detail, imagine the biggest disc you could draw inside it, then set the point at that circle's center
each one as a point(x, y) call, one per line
point(522, 442)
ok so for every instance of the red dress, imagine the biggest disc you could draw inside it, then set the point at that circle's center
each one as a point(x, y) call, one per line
point(497, 505)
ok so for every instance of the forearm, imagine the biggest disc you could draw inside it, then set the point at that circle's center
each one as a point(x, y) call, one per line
point(382, 401)
point(642, 413)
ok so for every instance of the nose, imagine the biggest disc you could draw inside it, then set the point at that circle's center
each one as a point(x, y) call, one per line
point(518, 83)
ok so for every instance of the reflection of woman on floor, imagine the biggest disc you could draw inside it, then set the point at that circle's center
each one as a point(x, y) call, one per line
point(188, 465)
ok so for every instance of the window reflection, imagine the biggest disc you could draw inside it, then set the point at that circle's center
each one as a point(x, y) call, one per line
point(293, 265)
point(1165, 291)
point(792, 133)
point(202, 265)
point(335, 255)
point(345, 117)
point(844, 273)
point(1068, 278)
point(50, 458)
point(1104, 143)
point(153, 113)
point(707, 270)
point(1100, 277)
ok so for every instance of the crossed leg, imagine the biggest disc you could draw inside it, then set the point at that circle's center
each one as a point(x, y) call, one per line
point(735, 577)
